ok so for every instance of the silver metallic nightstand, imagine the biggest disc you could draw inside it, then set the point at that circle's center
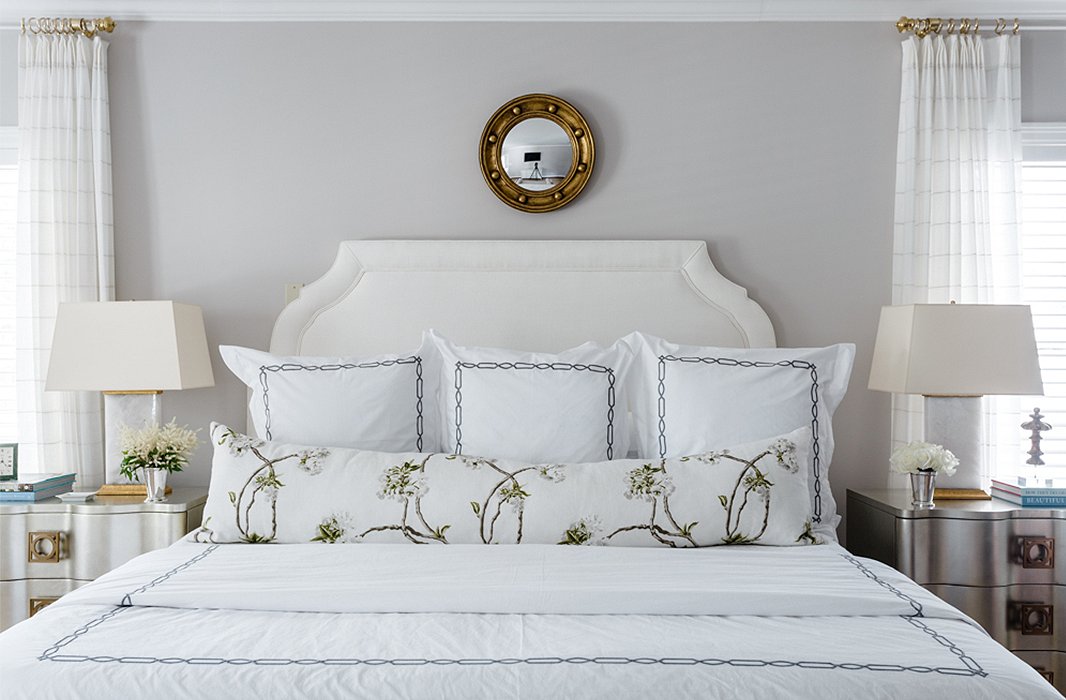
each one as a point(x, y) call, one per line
point(50, 548)
point(993, 560)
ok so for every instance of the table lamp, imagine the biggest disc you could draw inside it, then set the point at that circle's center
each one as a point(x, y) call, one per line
point(953, 354)
point(131, 351)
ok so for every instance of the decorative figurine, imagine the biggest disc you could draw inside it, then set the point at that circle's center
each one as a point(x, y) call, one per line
point(1037, 425)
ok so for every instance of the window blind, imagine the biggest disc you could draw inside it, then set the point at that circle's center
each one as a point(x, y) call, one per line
point(1043, 236)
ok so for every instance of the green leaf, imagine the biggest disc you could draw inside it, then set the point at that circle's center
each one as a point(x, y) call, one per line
point(476, 506)
point(724, 501)
point(233, 498)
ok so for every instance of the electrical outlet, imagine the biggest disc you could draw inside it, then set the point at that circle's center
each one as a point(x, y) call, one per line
point(292, 291)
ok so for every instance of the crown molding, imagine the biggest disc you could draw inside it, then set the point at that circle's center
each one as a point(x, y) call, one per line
point(529, 10)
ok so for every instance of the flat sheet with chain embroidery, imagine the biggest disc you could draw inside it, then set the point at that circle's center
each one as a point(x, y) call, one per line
point(524, 621)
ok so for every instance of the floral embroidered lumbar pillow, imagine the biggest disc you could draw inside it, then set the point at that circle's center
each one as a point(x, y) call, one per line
point(265, 491)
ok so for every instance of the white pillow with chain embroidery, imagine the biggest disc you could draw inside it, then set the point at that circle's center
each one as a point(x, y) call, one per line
point(273, 492)
point(567, 406)
point(386, 402)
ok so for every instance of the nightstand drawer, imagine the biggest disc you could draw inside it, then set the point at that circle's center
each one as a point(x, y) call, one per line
point(89, 544)
point(1050, 664)
point(1018, 617)
point(982, 552)
point(18, 598)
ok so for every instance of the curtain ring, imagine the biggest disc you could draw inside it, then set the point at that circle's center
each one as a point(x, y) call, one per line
point(976, 25)
point(951, 26)
point(999, 26)
point(1017, 26)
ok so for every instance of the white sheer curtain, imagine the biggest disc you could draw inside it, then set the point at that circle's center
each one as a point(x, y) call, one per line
point(957, 167)
point(64, 248)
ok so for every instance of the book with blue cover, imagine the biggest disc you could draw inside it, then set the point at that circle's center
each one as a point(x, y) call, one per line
point(1030, 500)
point(36, 482)
point(31, 488)
point(1031, 487)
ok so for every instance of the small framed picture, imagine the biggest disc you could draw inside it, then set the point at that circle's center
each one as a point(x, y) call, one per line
point(9, 461)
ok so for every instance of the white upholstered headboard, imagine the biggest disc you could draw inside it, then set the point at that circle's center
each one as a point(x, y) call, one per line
point(531, 295)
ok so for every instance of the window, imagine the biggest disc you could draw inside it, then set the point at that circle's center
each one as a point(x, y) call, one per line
point(1043, 239)
point(8, 197)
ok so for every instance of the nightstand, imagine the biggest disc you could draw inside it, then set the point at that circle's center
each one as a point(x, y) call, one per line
point(50, 548)
point(993, 560)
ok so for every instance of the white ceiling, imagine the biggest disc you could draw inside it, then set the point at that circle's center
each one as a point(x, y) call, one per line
point(530, 10)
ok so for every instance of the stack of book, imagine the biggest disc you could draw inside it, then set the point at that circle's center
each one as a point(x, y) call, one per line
point(35, 487)
point(1051, 494)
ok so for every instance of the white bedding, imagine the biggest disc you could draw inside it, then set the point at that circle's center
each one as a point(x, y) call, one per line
point(524, 621)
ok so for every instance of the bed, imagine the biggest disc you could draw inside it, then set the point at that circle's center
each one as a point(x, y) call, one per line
point(520, 618)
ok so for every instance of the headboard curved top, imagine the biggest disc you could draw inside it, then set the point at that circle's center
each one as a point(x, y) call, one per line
point(531, 295)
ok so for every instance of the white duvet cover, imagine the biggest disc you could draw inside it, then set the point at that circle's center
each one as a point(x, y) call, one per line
point(525, 621)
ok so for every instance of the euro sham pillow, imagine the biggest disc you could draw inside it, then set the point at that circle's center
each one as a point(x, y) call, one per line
point(541, 407)
point(387, 402)
point(264, 491)
point(686, 399)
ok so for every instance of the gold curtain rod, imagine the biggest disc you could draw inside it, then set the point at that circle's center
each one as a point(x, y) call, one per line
point(935, 25)
point(67, 25)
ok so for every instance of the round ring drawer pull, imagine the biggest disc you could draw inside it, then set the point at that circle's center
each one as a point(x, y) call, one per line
point(43, 547)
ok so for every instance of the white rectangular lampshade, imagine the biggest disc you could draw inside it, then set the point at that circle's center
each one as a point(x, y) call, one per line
point(956, 350)
point(129, 346)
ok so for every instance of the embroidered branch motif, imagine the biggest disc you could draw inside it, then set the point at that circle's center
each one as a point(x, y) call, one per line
point(406, 484)
point(263, 484)
point(507, 491)
point(653, 484)
point(751, 481)
point(586, 531)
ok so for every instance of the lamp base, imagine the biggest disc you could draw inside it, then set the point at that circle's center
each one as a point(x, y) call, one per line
point(957, 423)
point(135, 409)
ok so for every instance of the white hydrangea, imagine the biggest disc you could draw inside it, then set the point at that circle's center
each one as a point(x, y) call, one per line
point(923, 456)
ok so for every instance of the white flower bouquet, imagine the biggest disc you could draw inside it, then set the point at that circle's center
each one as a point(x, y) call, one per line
point(164, 447)
point(918, 456)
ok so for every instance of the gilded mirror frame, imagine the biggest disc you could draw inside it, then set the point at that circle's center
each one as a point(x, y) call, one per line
point(582, 149)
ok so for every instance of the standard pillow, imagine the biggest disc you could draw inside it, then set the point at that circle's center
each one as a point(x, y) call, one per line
point(569, 407)
point(379, 403)
point(687, 399)
point(274, 492)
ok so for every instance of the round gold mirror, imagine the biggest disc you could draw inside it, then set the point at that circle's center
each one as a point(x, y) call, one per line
point(537, 153)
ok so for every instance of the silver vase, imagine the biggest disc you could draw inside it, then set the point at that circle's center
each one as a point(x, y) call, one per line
point(923, 483)
point(155, 480)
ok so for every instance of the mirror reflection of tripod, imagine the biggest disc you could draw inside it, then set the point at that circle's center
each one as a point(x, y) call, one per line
point(536, 174)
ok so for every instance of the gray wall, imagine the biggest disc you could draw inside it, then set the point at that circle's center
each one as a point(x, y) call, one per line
point(8, 77)
point(1044, 77)
point(243, 153)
